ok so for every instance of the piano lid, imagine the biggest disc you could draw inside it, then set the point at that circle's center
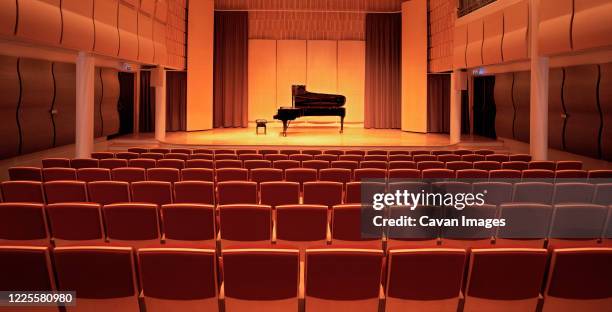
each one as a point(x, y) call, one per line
point(303, 99)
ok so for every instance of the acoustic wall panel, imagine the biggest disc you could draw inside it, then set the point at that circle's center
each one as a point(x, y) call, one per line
point(10, 89)
point(555, 26)
point(145, 39)
point(40, 20)
point(8, 17)
point(148, 7)
point(605, 103)
point(460, 45)
point(583, 116)
point(521, 96)
point(77, 24)
point(97, 103)
point(132, 3)
point(592, 24)
point(351, 78)
point(322, 66)
point(127, 24)
point(556, 111)
point(492, 38)
point(64, 104)
point(105, 26)
point(35, 119)
point(109, 101)
point(290, 68)
point(473, 53)
point(161, 11)
point(504, 105)
point(516, 27)
point(159, 43)
point(262, 79)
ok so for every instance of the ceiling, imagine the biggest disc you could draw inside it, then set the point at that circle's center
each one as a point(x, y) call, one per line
point(311, 5)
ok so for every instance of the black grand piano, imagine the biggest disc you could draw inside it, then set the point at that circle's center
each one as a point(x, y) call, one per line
point(306, 103)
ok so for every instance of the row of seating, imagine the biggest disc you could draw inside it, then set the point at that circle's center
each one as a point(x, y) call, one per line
point(177, 279)
point(283, 192)
point(343, 175)
point(298, 226)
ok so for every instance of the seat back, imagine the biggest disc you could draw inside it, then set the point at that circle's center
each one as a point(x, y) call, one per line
point(257, 163)
point(326, 157)
point(179, 156)
point(129, 174)
point(108, 192)
point(346, 164)
point(424, 157)
point(520, 157)
point(25, 174)
point(315, 164)
point(515, 165)
point(200, 163)
point(171, 163)
point(340, 175)
point(603, 194)
point(227, 163)
point(471, 174)
point(127, 155)
point(448, 158)
point(93, 174)
point(472, 157)
point(496, 192)
point(400, 157)
point(571, 174)
point(505, 174)
point(76, 224)
point(196, 192)
point(533, 192)
point(154, 192)
point(542, 165)
point(144, 163)
point(23, 191)
point(433, 164)
point(65, 191)
point(189, 225)
point(404, 174)
point(56, 163)
point(577, 225)
point(370, 174)
point(78, 163)
point(275, 157)
point(487, 165)
point(346, 228)
point(497, 157)
point(459, 165)
point(23, 224)
point(187, 151)
point(237, 192)
point(402, 164)
point(164, 174)
point(575, 192)
point(569, 165)
point(198, 174)
point(59, 174)
point(299, 225)
point(437, 174)
point(362, 192)
point(323, 193)
point(280, 193)
point(243, 223)
point(266, 175)
point(527, 225)
point(469, 236)
point(112, 163)
point(285, 164)
point(300, 157)
point(26, 269)
point(232, 174)
point(133, 224)
point(351, 157)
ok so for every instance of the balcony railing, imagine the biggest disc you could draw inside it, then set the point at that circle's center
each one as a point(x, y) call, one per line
point(468, 6)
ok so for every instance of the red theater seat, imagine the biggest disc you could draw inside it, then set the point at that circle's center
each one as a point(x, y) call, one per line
point(375, 158)
point(400, 157)
point(350, 157)
point(462, 152)
point(527, 225)
point(505, 174)
point(436, 278)
point(201, 157)
point(334, 152)
point(181, 278)
point(520, 157)
point(538, 174)
point(569, 165)
point(440, 152)
point(187, 151)
point(404, 174)
point(189, 225)
point(399, 152)
point(497, 157)
point(285, 164)
point(496, 192)
point(402, 165)
point(58, 174)
point(370, 174)
point(573, 192)
point(487, 165)
point(420, 152)
point(340, 175)
point(23, 191)
point(199, 163)
point(300, 157)
point(280, 193)
point(171, 163)
point(448, 158)
point(346, 228)
point(459, 165)
point(423, 165)
point(289, 151)
point(469, 237)
point(315, 164)
point(23, 224)
point(112, 269)
point(232, 174)
point(144, 163)
point(266, 175)
point(505, 277)
point(276, 156)
point(245, 151)
point(228, 163)
point(93, 174)
point(323, 193)
point(577, 225)
point(198, 174)
point(78, 163)
point(226, 156)
point(237, 192)
point(74, 224)
point(377, 152)
point(345, 164)
point(373, 164)
point(127, 155)
point(424, 157)
point(326, 157)
point(343, 279)
point(138, 150)
point(164, 174)
point(160, 150)
point(484, 152)
point(312, 152)
point(154, 192)
point(354, 194)
point(197, 192)
point(543, 165)
point(245, 225)
point(261, 279)
point(156, 156)
point(65, 191)
point(471, 174)
point(515, 165)
point(132, 224)
point(301, 226)
point(128, 174)
point(533, 192)
point(108, 192)
point(205, 151)
point(112, 163)
point(180, 156)
point(253, 156)
point(25, 174)
point(437, 174)
point(254, 164)
point(571, 174)
point(56, 163)
point(355, 152)
point(603, 196)
point(472, 157)
point(600, 174)
point(301, 175)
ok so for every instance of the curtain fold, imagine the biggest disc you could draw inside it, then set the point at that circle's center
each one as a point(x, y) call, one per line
point(176, 101)
point(438, 103)
point(383, 71)
point(231, 69)
point(146, 116)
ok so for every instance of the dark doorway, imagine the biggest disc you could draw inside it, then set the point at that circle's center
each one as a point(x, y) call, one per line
point(484, 106)
point(126, 103)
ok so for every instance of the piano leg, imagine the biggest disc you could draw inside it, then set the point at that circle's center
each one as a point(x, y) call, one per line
point(342, 124)
point(285, 126)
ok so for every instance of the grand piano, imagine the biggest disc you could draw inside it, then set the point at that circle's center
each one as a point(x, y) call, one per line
point(306, 103)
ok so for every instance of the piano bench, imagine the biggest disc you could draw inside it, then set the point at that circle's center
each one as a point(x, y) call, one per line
point(261, 123)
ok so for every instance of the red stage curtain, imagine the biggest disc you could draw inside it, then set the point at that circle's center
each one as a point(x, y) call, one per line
point(146, 116)
point(383, 97)
point(231, 69)
point(438, 103)
point(176, 101)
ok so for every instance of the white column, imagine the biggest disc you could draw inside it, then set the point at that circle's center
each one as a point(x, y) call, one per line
point(160, 103)
point(538, 115)
point(85, 72)
point(455, 107)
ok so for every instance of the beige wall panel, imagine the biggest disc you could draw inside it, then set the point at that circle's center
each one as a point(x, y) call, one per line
point(414, 66)
point(40, 20)
point(592, 24)
point(322, 66)
point(147, 6)
point(161, 11)
point(351, 78)
point(110, 98)
point(516, 26)
point(9, 88)
point(555, 25)
point(473, 53)
point(64, 104)
point(145, 39)
point(492, 41)
point(128, 33)
point(262, 79)
point(105, 22)
point(200, 64)
point(460, 44)
point(133, 3)
point(159, 43)
point(8, 17)
point(78, 26)
point(290, 70)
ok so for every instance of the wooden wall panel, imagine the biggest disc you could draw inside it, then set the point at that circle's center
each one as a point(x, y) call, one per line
point(159, 43)
point(161, 10)
point(492, 42)
point(8, 17)
point(583, 118)
point(148, 7)
point(322, 66)
point(460, 44)
point(262, 79)
point(351, 78)
point(290, 70)
point(97, 103)
point(9, 88)
point(128, 33)
point(36, 101)
point(77, 24)
point(146, 50)
point(555, 26)
point(521, 103)
point(105, 23)
point(556, 111)
point(109, 101)
point(605, 103)
point(64, 105)
point(40, 20)
point(473, 53)
point(414, 110)
point(504, 106)
point(516, 27)
point(592, 24)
